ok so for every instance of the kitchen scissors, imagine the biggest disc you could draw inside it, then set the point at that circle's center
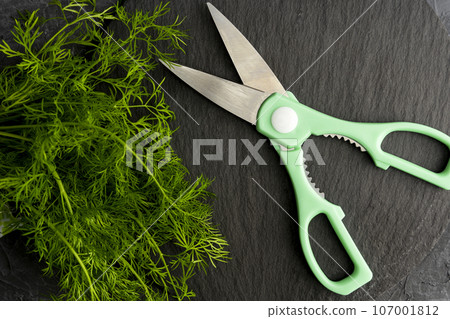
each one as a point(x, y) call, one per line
point(277, 114)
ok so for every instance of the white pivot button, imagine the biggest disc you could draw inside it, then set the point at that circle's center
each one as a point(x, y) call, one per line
point(284, 119)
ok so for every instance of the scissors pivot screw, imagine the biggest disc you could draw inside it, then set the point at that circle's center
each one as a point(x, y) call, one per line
point(284, 119)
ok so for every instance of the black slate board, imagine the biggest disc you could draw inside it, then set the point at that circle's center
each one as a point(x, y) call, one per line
point(390, 66)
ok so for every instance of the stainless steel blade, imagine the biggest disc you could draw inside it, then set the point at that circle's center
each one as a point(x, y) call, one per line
point(236, 98)
point(252, 68)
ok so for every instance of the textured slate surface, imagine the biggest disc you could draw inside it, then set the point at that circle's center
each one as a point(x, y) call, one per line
point(387, 67)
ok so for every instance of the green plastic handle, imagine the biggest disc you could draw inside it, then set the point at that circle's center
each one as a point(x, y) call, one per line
point(369, 135)
point(309, 205)
point(288, 143)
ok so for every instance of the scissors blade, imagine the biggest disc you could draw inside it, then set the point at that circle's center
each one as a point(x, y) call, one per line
point(236, 98)
point(252, 68)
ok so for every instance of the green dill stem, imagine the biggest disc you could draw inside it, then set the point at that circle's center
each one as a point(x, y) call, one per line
point(64, 240)
point(61, 187)
point(152, 243)
point(16, 136)
point(14, 127)
point(138, 278)
point(5, 111)
point(56, 35)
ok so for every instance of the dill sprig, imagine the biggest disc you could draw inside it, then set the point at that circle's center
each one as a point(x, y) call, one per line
point(64, 123)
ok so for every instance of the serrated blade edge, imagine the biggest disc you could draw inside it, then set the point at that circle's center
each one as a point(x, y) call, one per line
point(347, 139)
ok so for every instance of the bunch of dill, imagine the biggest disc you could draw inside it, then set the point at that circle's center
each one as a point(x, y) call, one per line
point(108, 231)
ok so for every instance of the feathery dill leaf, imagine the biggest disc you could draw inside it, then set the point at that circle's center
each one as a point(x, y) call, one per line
point(64, 123)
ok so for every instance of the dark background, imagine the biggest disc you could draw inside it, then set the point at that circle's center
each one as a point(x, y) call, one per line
point(391, 65)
